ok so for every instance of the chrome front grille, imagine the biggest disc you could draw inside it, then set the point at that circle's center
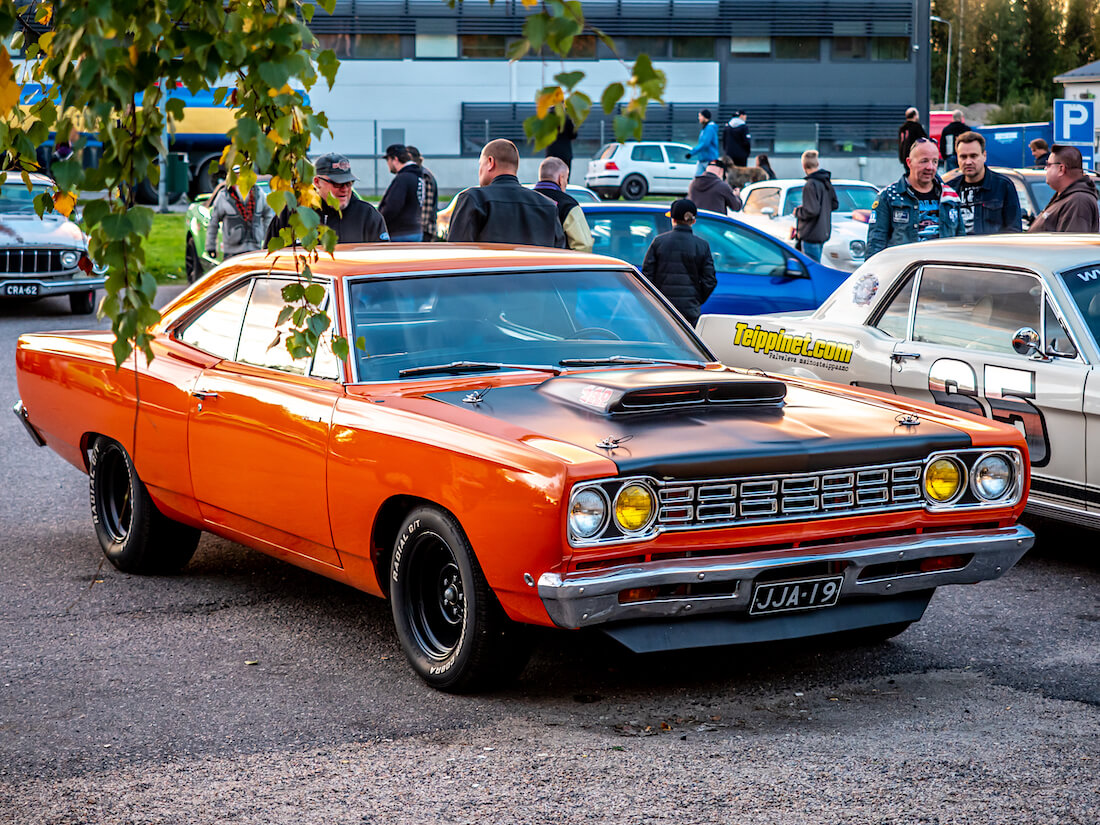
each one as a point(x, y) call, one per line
point(31, 262)
point(748, 499)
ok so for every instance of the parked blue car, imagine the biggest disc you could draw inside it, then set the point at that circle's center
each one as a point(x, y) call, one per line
point(756, 272)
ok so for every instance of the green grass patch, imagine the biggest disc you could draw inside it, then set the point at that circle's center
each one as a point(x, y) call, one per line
point(164, 248)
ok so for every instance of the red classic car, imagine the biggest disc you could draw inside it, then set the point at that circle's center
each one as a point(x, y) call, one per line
point(522, 436)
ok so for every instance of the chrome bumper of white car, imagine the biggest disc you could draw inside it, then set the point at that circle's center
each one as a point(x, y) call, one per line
point(40, 287)
point(586, 600)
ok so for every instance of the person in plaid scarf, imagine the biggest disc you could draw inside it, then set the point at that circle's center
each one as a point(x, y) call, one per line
point(243, 221)
point(430, 205)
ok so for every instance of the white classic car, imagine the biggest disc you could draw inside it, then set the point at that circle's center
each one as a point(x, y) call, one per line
point(1004, 327)
point(770, 205)
point(42, 256)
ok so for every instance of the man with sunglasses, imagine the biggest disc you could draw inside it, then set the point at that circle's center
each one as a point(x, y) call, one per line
point(1073, 207)
point(355, 221)
point(918, 207)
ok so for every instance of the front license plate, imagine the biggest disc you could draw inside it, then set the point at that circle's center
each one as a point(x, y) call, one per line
point(807, 594)
point(21, 289)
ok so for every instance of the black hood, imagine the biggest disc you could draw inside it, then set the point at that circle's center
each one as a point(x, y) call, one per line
point(673, 423)
point(706, 182)
point(822, 175)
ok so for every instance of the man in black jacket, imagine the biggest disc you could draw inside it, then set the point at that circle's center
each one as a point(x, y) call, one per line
point(553, 178)
point(737, 141)
point(501, 209)
point(711, 192)
point(355, 221)
point(948, 140)
point(909, 133)
point(814, 218)
point(988, 202)
point(401, 205)
point(680, 265)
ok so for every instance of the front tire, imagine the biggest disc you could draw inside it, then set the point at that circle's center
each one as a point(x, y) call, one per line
point(452, 628)
point(135, 536)
point(635, 188)
point(192, 264)
point(82, 303)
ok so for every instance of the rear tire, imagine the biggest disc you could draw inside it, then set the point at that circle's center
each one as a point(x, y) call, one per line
point(82, 303)
point(135, 536)
point(635, 188)
point(452, 628)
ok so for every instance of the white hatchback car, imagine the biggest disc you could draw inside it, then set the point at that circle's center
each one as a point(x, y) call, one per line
point(634, 170)
point(770, 205)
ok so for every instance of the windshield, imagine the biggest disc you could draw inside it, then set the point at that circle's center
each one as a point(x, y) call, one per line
point(848, 197)
point(14, 197)
point(1083, 284)
point(530, 318)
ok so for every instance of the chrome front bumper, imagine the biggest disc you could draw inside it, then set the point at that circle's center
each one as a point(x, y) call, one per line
point(50, 286)
point(25, 419)
point(585, 600)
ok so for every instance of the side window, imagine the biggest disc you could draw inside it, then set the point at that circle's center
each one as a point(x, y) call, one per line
point(1024, 196)
point(793, 200)
point(761, 199)
point(677, 154)
point(647, 154)
point(975, 309)
point(623, 236)
point(1058, 341)
point(262, 343)
point(218, 327)
point(739, 250)
point(894, 320)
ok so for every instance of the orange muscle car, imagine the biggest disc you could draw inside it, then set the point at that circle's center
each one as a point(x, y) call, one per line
point(522, 436)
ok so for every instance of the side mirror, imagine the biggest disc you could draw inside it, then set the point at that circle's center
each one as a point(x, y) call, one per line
point(769, 211)
point(794, 269)
point(1026, 341)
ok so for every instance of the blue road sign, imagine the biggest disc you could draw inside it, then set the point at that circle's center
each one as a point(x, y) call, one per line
point(1075, 125)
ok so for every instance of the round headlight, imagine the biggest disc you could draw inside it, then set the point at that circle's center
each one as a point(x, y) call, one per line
point(857, 249)
point(587, 513)
point(634, 508)
point(992, 477)
point(69, 258)
point(943, 480)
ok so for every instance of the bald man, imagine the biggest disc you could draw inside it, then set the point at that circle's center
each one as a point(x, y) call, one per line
point(501, 209)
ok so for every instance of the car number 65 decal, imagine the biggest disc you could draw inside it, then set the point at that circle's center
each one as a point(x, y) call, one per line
point(954, 384)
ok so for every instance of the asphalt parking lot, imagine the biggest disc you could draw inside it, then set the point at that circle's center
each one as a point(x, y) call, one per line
point(245, 690)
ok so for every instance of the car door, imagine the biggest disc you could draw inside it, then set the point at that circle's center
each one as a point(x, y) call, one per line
point(958, 352)
point(679, 169)
point(258, 432)
point(752, 271)
point(647, 160)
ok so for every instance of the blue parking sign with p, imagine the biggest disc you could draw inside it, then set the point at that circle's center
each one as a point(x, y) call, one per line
point(1075, 125)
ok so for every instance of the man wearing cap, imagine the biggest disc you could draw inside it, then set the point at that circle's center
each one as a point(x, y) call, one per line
point(401, 205)
point(680, 265)
point(711, 192)
point(706, 149)
point(356, 221)
point(737, 141)
point(501, 209)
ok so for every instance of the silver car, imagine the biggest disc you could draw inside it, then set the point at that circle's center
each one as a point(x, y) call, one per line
point(43, 256)
point(1003, 327)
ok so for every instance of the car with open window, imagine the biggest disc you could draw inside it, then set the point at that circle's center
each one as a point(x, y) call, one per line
point(520, 436)
point(1003, 327)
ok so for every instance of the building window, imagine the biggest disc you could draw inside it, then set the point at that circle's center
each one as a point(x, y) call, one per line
point(751, 46)
point(797, 48)
point(631, 47)
point(890, 48)
point(436, 45)
point(849, 48)
point(362, 46)
point(696, 48)
point(482, 46)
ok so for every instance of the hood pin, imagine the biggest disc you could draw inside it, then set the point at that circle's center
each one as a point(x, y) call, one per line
point(611, 442)
point(476, 397)
point(907, 419)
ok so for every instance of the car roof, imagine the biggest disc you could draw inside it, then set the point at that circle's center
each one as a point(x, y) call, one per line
point(35, 178)
point(801, 181)
point(1050, 251)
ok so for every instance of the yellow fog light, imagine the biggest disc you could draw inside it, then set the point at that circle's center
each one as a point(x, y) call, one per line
point(634, 508)
point(943, 480)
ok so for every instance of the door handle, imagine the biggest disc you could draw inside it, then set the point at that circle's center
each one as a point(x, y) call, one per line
point(203, 394)
point(898, 357)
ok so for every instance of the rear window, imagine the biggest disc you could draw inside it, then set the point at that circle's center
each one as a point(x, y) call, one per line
point(606, 151)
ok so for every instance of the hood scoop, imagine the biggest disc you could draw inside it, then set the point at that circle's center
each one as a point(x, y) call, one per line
point(626, 392)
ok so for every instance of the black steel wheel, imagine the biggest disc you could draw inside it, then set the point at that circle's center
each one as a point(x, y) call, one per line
point(634, 188)
point(452, 629)
point(135, 536)
point(82, 303)
point(192, 263)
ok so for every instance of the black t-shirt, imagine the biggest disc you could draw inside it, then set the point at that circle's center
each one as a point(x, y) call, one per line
point(968, 201)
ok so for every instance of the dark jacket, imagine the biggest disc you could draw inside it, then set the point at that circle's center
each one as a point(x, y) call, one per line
point(505, 211)
point(895, 215)
point(909, 133)
point(359, 223)
point(578, 235)
point(1073, 209)
point(681, 267)
point(737, 141)
point(996, 205)
point(709, 191)
point(1042, 159)
point(814, 218)
point(429, 207)
point(947, 137)
point(562, 147)
point(401, 205)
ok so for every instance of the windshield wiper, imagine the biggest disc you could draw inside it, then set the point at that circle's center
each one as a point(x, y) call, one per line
point(458, 367)
point(626, 359)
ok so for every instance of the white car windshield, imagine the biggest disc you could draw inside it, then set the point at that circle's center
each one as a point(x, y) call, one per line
point(16, 199)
